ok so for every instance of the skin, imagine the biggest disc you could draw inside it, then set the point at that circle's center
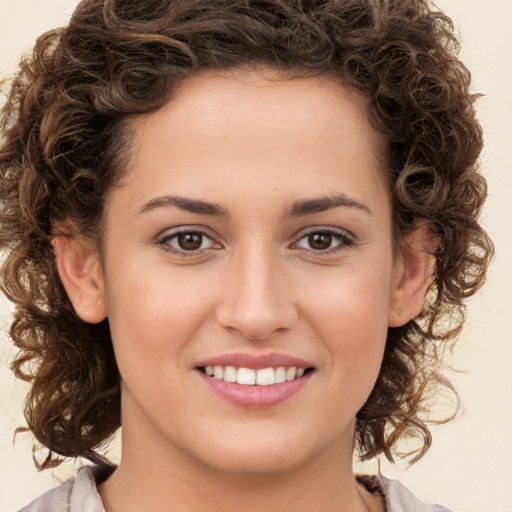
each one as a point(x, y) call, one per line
point(255, 148)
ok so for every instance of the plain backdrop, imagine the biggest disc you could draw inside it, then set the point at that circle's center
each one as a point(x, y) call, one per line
point(469, 464)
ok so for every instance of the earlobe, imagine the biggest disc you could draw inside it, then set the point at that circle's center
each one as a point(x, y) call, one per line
point(80, 271)
point(412, 276)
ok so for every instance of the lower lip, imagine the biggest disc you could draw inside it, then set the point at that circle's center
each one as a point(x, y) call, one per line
point(255, 397)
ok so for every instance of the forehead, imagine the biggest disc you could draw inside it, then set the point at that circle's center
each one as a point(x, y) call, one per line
point(233, 97)
point(219, 127)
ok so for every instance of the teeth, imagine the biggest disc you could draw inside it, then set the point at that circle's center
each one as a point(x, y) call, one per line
point(280, 375)
point(230, 374)
point(290, 373)
point(246, 376)
point(265, 377)
point(250, 377)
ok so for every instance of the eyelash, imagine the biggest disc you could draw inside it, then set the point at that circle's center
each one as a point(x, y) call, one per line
point(345, 241)
point(164, 242)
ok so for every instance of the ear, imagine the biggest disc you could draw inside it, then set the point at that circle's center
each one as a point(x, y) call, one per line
point(80, 271)
point(412, 275)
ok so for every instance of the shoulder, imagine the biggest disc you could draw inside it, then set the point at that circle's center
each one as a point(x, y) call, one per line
point(78, 494)
point(400, 499)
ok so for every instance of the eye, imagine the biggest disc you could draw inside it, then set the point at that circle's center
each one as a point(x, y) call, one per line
point(324, 240)
point(183, 242)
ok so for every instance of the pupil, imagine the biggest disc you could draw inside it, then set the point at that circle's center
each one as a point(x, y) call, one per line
point(190, 241)
point(320, 241)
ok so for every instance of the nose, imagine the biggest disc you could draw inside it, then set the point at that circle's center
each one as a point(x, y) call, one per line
point(257, 301)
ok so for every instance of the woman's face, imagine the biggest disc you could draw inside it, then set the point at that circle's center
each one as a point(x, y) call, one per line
point(251, 231)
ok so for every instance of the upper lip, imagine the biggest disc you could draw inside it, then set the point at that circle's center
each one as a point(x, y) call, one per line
point(256, 362)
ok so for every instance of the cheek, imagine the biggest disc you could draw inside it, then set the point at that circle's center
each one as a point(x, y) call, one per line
point(151, 316)
point(152, 320)
point(350, 316)
point(151, 291)
point(355, 298)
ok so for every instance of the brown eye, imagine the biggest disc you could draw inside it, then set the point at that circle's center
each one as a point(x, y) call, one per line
point(320, 241)
point(325, 241)
point(190, 241)
point(187, 242)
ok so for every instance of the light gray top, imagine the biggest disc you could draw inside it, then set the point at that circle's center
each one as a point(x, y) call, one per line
point(80, 494)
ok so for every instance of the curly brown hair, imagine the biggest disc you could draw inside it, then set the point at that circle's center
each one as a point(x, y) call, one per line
point(64, 139)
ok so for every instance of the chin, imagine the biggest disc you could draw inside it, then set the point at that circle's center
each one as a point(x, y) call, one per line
point(244, 458)
point(251, 465)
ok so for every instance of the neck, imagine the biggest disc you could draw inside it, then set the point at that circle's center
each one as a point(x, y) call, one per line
point(159, 471)
point(151, 481)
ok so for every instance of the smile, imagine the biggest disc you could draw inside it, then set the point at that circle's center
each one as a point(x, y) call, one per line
point(251, 377)
point(254, 381)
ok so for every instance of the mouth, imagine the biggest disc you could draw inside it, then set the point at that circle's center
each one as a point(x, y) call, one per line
point(255, 377)
point(255, 381)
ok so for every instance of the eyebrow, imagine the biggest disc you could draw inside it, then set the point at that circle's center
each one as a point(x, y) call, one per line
point(298, 209)
point(321, 204)
point(188, 205)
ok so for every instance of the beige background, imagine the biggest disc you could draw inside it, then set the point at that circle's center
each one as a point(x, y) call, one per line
point(469, 465)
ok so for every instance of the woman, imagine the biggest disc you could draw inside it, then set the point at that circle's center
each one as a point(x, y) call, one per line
point(246, 230)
